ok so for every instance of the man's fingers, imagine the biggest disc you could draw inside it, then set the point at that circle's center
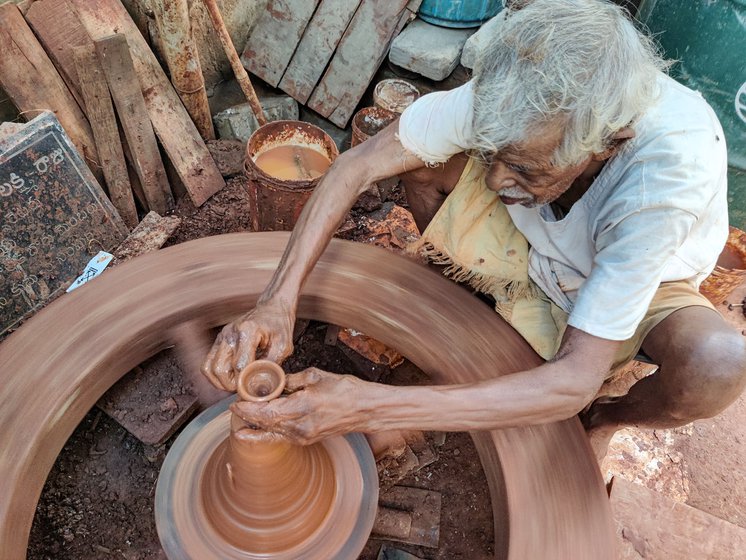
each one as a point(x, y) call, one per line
point(222, 366)
point(277, 351)
point(208, 364)
point(297, 381)
point(256, 414)
point(246, 351)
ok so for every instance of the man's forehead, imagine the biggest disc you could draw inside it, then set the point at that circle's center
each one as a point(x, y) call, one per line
point(539, 148)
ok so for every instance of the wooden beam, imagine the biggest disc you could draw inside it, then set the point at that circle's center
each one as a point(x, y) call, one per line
point(176, 131)
point(100, 113)
point(654, 527)
point(316, 47)
point(116, 61)
point(59, 30)
point(33, 84)
point(275, 37)
point(358, 56)
point(180, 51)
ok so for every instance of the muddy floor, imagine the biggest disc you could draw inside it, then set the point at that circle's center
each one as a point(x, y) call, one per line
point(98, 500)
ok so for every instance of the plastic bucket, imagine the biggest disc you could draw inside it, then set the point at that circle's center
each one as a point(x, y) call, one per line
point(459, 13)
point(277, 203)
point(730, 271)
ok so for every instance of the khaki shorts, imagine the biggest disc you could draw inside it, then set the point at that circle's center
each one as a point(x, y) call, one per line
point(670, 297)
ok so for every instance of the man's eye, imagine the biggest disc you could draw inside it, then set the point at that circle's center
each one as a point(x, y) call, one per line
point(517, 168)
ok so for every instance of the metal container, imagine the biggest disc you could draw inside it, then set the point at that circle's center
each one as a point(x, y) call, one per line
point(707, 38)
point(395, 95)
point(369, 122)
point(277, 203)
point(459, 13)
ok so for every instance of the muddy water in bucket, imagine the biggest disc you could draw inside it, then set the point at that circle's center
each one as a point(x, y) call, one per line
point(284, 162)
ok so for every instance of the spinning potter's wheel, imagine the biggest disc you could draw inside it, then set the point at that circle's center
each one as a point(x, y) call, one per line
point(229, 492)
point(549, 500)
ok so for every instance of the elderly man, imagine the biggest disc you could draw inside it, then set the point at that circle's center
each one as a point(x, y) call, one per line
point(571, 151)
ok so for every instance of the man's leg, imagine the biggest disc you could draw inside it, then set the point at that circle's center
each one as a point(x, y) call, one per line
point(428, 187)
point(702, 370)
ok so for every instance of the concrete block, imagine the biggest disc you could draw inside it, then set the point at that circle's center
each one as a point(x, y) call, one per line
point(478, 41)
point(341, 136)
point(429, 50)
point(239, 122)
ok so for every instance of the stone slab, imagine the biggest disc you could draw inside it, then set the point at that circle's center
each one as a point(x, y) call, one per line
point(152, 401)
point(478, 41)
point(55, 217)
point(424, 507)
point(341, 136)
point(239, 122)
point(429, 50)
point(651, 526)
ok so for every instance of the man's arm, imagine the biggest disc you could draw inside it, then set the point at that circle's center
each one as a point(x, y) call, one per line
point(325, 404)
point(268, 328)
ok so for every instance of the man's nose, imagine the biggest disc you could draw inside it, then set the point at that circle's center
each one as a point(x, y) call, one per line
point(502, 177)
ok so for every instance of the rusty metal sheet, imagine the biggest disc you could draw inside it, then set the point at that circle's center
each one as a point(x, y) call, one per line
point(275, 37)
point(316, 47)
point(358, 56)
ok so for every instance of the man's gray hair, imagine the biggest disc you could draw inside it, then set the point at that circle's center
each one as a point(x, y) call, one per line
point(582, 61)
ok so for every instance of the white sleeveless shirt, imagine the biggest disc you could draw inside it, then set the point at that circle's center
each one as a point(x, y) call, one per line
point(657, 212)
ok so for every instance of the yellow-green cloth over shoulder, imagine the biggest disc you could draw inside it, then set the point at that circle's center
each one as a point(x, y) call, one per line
point(473, 235)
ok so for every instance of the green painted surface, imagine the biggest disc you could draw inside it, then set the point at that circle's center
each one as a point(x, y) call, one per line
point(737, 197)
point(707, 38)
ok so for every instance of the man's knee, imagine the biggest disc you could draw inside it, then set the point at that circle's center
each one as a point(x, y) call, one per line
point(707, 377)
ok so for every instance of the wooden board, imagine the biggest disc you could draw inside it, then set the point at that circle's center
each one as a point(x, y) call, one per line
point(59, 30)
point(316, 47)
point(360, 53)
point(654, 527)
point(178, 135)
point(55, 217)
point(33, 84)
point(275, 37)
point(117, 65)
point(100, 112)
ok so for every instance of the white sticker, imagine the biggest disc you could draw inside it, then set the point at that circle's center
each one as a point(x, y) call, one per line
point(94, 267)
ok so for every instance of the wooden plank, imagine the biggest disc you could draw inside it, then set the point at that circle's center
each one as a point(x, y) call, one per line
point(33, 84)
point(59, 30)
point(654, 527)
point(100, 112)
point(178, 135)
point(316, 47)
point(275, 37)
point(360, 53)
point(119, 69)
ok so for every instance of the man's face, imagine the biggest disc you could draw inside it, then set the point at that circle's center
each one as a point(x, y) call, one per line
point(523, 173)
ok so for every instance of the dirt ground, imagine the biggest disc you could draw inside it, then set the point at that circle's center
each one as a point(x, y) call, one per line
point(98, 499)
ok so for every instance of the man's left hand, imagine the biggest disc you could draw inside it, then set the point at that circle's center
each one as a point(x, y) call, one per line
point(321, 404)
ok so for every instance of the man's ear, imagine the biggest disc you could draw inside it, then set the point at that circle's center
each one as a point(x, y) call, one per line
point(617, 141)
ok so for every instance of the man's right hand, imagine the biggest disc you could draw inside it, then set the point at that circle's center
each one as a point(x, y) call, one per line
point(265, 332)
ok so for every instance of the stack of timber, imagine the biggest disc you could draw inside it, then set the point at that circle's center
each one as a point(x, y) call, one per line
point(86, 61)
point(324, 53)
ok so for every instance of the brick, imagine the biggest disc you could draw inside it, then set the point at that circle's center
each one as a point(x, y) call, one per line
point(239, 123)
point(429, 50)
point(478, 41)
